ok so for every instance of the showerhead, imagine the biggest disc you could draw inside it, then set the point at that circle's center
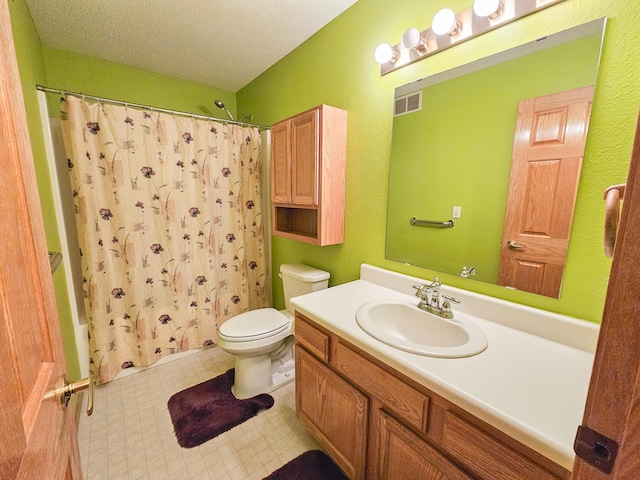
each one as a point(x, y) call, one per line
point(219, 104)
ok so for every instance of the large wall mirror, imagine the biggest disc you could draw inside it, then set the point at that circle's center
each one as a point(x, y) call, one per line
point(475, 145)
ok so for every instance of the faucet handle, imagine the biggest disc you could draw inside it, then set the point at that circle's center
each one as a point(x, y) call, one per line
point(446, 306)
point(452, 299)
point(422, 291)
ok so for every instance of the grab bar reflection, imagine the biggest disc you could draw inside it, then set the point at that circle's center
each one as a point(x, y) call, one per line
point(430, 223)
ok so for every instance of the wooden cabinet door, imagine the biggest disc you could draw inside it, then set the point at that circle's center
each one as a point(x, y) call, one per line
point(305, 158)
point(549, 142)
point(281, 163)
point(334, 411)
point(39, 437)
point(402, 454)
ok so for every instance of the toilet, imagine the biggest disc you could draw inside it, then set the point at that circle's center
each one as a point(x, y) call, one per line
point(262, 340)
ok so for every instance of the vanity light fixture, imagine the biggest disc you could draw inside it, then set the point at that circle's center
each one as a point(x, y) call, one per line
point(445, 23)
point(487, 8)
point(412, 38)
point(448, 29)
point(385, 53)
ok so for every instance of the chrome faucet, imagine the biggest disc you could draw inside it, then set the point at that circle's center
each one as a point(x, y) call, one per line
point(435, 294)
point(430, 299)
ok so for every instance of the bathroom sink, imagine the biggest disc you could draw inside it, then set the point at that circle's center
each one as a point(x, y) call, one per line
point(404, 326)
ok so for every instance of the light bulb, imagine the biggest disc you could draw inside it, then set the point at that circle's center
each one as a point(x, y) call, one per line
point(413, 39)
point(487, 8)
point(385, 53)
point(445, 22)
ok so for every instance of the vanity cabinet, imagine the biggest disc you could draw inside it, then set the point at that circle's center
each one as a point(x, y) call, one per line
point(308, 158)
point(378, 424)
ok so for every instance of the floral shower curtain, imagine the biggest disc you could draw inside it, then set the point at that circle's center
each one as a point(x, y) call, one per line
point(170, 226)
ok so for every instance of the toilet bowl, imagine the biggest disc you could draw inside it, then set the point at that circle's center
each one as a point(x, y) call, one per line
point(262, 341)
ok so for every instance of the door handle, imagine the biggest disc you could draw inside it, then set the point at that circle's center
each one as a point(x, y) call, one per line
point(514, 246)
point(65, 392)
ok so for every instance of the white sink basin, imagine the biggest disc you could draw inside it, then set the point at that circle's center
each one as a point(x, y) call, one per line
point(404, 326)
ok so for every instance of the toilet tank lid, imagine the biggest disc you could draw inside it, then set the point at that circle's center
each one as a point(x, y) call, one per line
point(304, 272)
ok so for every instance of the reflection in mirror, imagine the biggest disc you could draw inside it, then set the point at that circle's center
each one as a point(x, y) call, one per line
point(454, 136)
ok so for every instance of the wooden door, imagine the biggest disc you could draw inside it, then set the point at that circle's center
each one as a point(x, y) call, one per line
point(305, 158)
point(613, 401)
point(38, 438)
point(281, 162)
point(548, 147)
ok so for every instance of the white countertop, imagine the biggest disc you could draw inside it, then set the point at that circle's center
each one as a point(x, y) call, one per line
point(530, 387)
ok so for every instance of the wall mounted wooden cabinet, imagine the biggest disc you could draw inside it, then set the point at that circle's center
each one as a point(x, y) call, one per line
point(378, 424)
point(308, 158)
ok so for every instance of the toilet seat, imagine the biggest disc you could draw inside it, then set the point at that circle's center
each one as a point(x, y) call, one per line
point(253, 325)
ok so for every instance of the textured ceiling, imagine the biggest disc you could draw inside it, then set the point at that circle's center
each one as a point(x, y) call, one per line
point(222, 43)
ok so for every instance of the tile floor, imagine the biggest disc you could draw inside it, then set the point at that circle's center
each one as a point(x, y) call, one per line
point(130, 435)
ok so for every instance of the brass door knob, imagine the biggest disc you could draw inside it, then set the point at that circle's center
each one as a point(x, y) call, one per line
point(65, 392)
point(514, 246)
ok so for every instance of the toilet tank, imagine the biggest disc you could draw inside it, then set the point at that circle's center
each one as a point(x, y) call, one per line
point(298, 279)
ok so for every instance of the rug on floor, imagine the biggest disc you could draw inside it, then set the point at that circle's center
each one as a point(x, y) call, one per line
point(311, 465)
point(208, 409)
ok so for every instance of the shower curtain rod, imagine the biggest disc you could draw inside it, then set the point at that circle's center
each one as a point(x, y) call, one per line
point(147, 107)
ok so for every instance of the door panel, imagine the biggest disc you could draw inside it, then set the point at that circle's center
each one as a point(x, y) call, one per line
point(38, 438)
point(547, 157)
point(281, 163)
point(404, 455)
point(334, 411)
point(304, 140)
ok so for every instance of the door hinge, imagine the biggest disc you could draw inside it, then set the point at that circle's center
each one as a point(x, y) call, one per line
point(595, 449)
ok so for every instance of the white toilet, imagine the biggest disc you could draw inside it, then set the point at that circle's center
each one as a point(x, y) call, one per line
point(262, 340)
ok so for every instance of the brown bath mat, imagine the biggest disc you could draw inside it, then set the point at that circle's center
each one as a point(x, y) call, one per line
point(311, 465)
point(208, 409)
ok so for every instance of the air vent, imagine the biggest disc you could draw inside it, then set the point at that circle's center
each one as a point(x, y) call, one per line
point(409, 103)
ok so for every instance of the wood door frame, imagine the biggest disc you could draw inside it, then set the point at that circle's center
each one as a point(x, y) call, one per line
point(613, 401)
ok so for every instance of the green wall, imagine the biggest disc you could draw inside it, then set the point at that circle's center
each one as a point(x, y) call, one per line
point(32, 72)
point(101, 78)
point(457, 149)
point(336, 66)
